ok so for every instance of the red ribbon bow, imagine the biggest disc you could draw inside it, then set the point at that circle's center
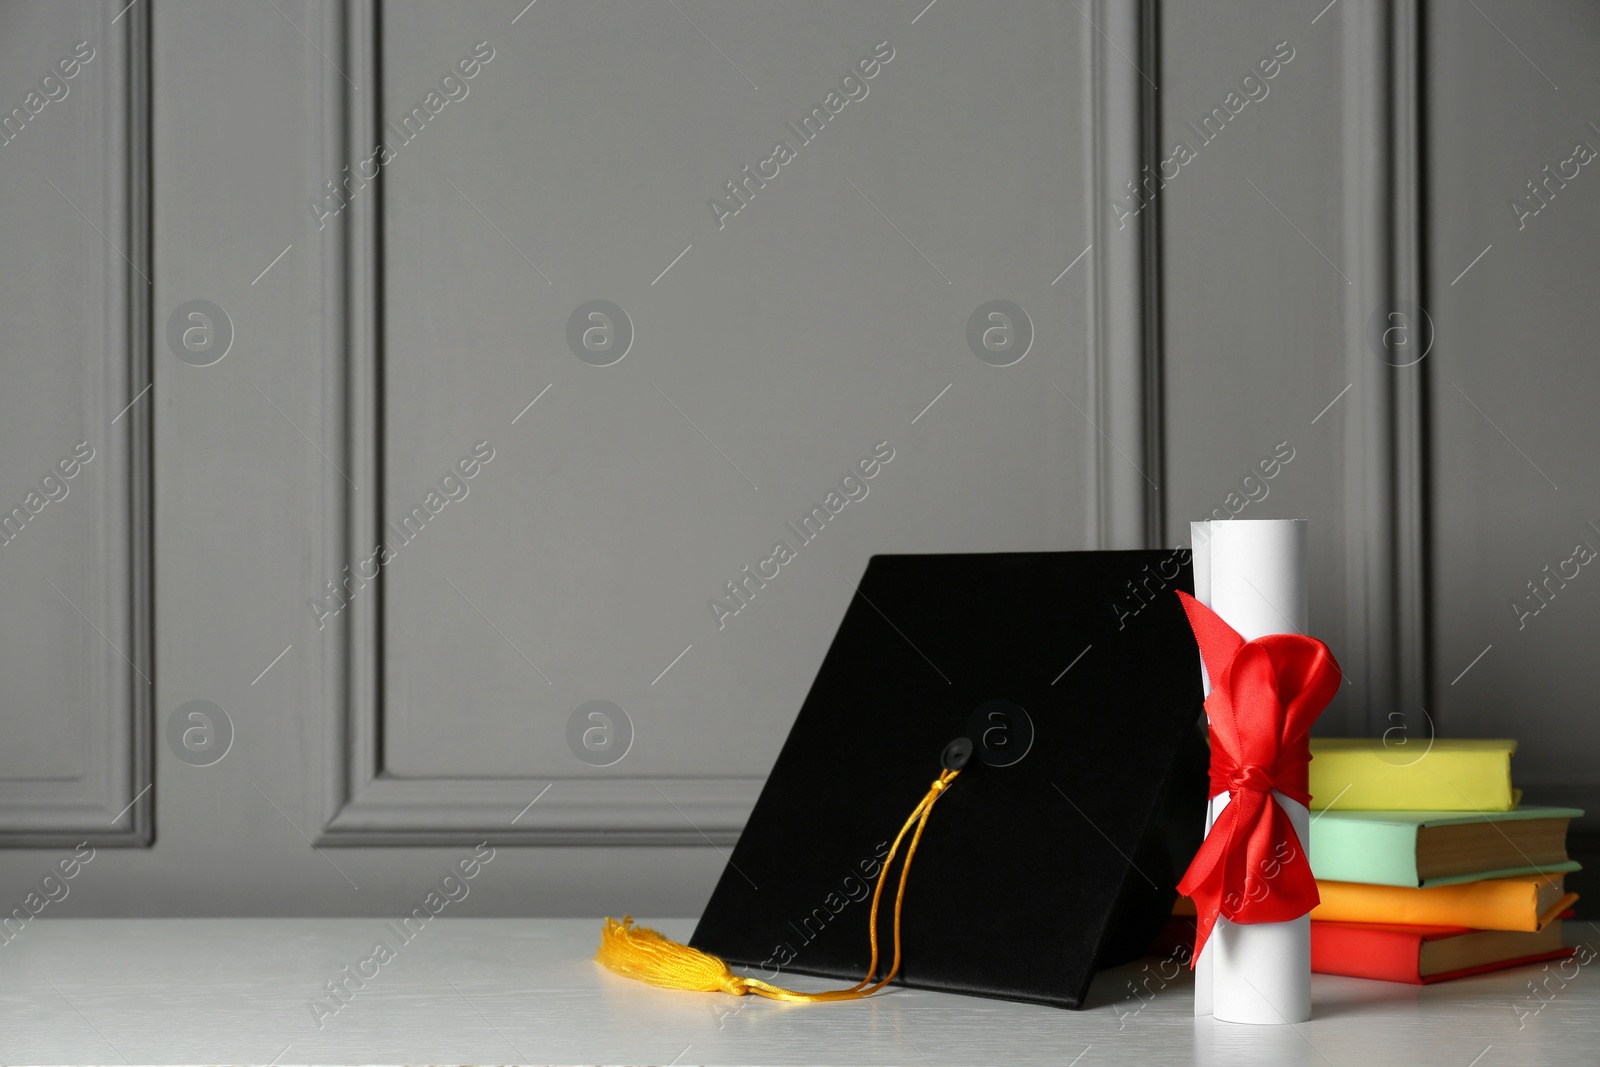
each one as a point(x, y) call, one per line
point(1265, 694)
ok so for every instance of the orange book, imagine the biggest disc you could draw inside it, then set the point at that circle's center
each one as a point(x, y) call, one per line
point(1525, 903)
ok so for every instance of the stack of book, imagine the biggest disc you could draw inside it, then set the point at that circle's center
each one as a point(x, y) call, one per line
point(1427, 866)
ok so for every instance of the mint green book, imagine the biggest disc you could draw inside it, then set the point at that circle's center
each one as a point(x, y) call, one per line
point(1428, 848)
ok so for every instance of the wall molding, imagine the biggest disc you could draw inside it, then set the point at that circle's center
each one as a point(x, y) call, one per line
point(112, 804)
point(363, 804)
point(1408, 523)
point(1124, 302)
point(1386, 647)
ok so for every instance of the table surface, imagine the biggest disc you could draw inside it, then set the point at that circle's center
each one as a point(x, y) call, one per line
point(527, 991)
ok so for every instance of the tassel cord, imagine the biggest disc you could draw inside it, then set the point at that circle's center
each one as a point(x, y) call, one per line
point(641, 953)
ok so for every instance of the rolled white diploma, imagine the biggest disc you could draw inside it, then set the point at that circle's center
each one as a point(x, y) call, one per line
point(1252, 573)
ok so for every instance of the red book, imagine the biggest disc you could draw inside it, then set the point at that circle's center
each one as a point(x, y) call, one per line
point(1422, 955)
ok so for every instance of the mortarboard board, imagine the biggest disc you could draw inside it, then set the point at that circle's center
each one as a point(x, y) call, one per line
point(1057, 852)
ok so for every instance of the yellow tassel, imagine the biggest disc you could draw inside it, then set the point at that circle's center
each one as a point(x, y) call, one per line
point(641, 953)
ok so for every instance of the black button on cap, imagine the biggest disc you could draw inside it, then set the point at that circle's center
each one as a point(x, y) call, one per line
point(956, 754)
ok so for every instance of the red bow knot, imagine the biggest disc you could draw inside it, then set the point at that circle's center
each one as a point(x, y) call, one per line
point(1265, 694)
point(1252, 778)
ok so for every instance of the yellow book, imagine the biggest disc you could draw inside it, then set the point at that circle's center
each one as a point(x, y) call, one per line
point(1421, 774)
point(1525, 903)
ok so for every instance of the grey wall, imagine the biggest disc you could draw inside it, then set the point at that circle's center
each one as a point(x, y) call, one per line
point(1182, 346)
point(1514, 384)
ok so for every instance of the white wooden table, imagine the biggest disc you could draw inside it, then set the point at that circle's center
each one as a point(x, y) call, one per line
point(494, 991)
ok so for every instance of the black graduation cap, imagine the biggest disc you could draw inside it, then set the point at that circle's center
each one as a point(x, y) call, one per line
point(1057, 850)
